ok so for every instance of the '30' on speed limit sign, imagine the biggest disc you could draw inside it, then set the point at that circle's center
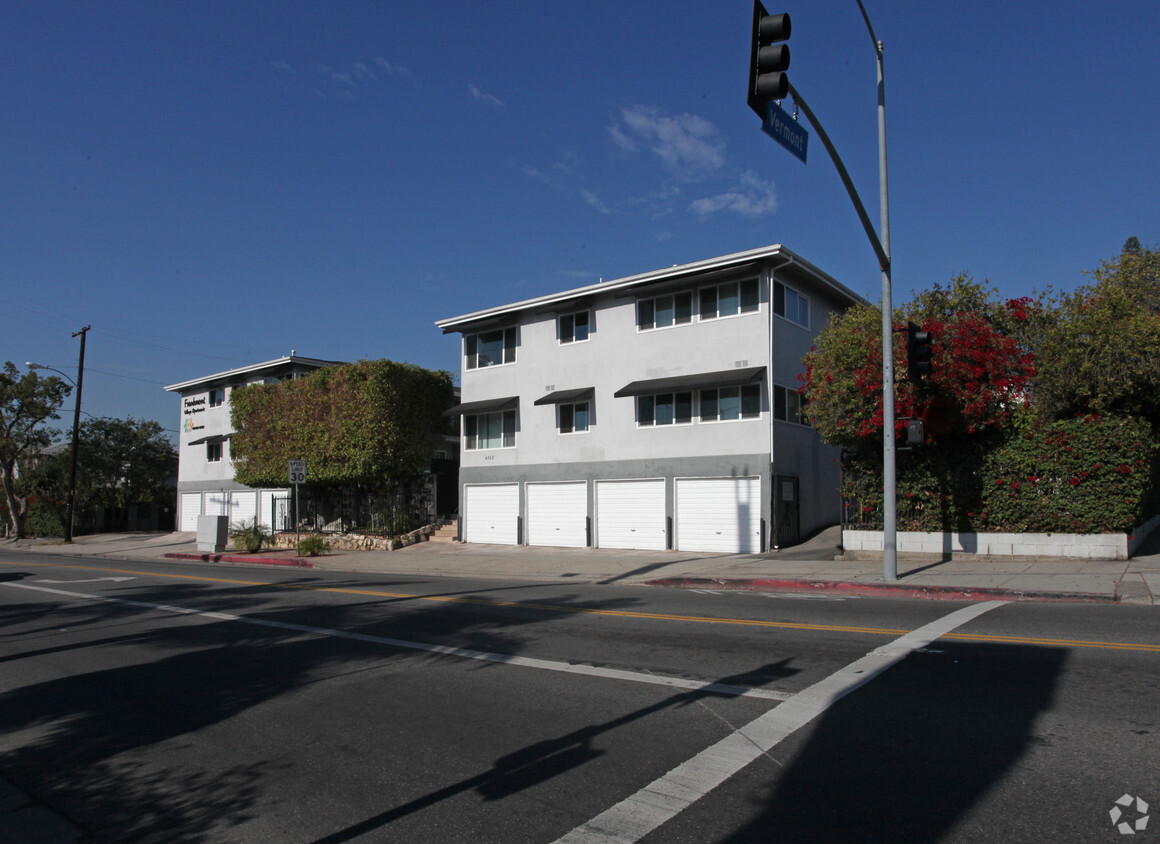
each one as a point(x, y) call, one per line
point(297, 471)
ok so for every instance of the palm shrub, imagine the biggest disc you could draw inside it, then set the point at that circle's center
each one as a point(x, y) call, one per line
point(249, 537)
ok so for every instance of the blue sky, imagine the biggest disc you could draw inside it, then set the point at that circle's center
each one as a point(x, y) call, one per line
point(214, 184)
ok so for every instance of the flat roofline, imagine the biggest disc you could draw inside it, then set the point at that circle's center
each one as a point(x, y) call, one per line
point(230, 374)
point(737, 259)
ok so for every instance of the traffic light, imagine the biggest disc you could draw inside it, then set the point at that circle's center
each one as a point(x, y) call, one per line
point(768, 60)
point(918, 350)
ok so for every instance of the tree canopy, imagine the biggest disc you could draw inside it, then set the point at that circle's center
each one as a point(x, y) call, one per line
point(27, 402)
point(1041, 413)
point(363, 423)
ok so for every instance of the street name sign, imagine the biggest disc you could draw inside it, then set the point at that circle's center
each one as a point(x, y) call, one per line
point(785, 130)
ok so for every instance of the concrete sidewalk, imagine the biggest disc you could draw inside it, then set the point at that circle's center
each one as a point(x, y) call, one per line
point(816, 566)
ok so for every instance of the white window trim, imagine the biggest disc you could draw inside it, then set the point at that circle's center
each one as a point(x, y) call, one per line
point(573, 404)
point(740, 313)
point(477, 335)
point(500, 447)
point(693, 410)
point(693, 303)
point(560, 333)
point(797, 293)
point(773, 405)
point(701, 420)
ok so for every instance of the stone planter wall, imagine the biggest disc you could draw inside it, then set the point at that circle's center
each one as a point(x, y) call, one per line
point(361, 542)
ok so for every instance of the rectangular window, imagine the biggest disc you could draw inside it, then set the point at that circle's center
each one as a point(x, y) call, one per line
point(217, 397)
point(727, 403)
point(790, 304)
point(213, 452)
point(664, 311)
point(574, 418)
point(664, 409)
point(490, 348)
point(490, 430)
point(787, 405)
point(574, 327)
point(730, 299)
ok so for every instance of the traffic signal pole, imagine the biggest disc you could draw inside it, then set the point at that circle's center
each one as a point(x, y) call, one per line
point(768, 82)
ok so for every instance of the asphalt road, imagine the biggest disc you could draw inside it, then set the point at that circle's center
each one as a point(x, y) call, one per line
point(181, 703)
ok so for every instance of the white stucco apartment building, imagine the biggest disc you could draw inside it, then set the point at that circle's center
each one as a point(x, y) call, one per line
point(205, 474)
point(654, 411)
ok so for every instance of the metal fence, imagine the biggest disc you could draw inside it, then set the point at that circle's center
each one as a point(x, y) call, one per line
point(387, 511)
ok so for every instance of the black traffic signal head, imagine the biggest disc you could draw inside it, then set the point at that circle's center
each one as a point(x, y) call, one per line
point(768, 60)
point(918, 351)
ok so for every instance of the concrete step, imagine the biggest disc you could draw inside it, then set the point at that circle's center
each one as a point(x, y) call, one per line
point(447, 533)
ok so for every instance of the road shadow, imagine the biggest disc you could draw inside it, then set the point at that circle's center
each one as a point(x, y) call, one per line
point(905, 757)
point(97, 744)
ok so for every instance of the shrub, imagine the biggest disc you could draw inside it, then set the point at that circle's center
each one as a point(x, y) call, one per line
point(312, 546)
point(249, 537)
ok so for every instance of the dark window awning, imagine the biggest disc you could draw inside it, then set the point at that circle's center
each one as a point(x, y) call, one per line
point(216, 438)
point(725, 378)
point(564, 396)
point(485, 406)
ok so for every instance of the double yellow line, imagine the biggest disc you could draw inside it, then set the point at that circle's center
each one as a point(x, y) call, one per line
point(649, 616)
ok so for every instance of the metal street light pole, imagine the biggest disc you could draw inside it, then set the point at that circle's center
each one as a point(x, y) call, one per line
point(889, 470)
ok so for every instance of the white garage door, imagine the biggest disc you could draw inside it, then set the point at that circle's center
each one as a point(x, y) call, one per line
point(492, 513)
point(190, 510)
point(558, 514)
point(631, 514)
point(719, 514)
point(243, 507)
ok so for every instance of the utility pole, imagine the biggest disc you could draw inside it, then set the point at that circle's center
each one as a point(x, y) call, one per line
point(72, 471)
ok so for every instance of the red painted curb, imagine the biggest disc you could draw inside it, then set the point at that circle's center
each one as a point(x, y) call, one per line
point(879, 590)
point(295, 562)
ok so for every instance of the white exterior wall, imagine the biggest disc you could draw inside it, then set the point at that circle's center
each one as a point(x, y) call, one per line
point(615, 355)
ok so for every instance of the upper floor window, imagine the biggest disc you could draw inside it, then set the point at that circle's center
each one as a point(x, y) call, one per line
point(787, 405)
point(217, 396)
point(790, 304)
point(490, 348)
point(663, 311)
point(213, 452)
point(730, 299)
point(726, 403)
point(664, 409)
point(490, 430)
point(574, 327)
point(573, 417)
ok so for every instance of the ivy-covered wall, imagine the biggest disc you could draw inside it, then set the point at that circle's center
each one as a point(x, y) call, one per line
point(359, 424)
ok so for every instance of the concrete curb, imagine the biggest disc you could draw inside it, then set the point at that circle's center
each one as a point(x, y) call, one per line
point(879, 590)
point(294, 562)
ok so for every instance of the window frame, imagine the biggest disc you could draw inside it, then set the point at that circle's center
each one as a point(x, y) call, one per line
point(217, 396)
point(507, 434)
point(746, 292)
point(743, 392)
point(572, 412)
point(801, 302)
point(212, 449)
point(680, 315)
point(569, 338)
point(472, 342)
point(675, 404)
point(783, 406)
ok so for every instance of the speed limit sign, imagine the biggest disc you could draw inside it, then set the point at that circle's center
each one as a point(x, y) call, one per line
point(297, 471)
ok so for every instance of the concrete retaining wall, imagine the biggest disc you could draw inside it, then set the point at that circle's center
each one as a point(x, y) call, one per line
point(1107, 546)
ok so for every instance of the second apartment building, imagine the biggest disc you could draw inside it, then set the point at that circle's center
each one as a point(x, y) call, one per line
point(657, 411)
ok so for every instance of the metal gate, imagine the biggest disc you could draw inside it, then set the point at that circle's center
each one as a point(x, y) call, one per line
point(786, 519)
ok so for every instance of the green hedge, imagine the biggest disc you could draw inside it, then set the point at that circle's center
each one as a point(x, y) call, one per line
point(1090, 474)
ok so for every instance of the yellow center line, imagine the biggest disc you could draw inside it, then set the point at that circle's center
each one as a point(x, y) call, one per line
point(650, 616)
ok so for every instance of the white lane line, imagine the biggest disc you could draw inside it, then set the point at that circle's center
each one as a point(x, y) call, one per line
point(638, 815)
point(506, 659)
